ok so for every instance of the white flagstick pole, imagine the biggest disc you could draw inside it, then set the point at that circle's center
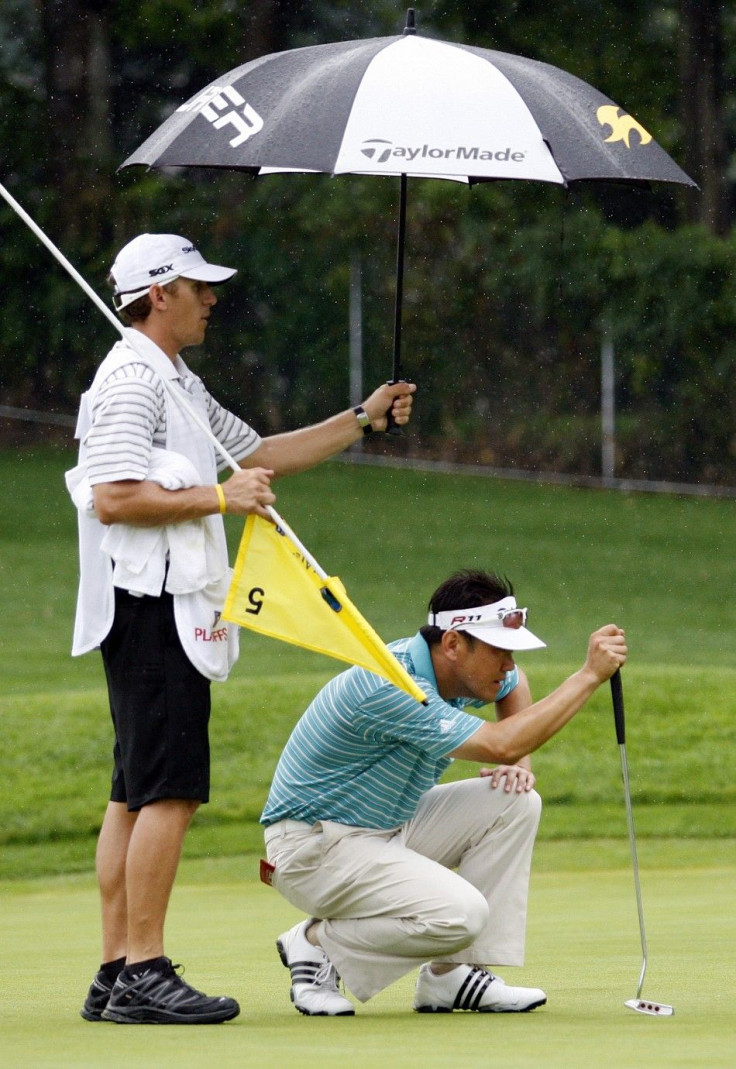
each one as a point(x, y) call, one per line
point(299, 545)
point(129, 337)
point(62, 260)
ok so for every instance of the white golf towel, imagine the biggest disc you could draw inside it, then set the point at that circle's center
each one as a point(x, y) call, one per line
point(140, 553)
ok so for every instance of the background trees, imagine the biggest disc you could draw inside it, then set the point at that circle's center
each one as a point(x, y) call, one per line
point(508, 287)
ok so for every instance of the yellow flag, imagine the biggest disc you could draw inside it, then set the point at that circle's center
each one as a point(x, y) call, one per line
point(276, 591)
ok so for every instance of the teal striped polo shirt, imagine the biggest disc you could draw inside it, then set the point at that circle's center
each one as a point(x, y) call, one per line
point(364, 751)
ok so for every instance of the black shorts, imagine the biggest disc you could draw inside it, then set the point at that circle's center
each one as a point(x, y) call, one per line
point(160, 706)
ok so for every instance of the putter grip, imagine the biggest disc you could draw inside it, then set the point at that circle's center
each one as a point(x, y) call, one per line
point(617, 694)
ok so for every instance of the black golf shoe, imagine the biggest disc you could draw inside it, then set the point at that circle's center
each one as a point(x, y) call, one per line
point(97, 998)
point(160, 996)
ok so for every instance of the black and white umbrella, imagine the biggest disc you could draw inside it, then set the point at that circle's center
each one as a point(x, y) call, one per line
point(408, 106)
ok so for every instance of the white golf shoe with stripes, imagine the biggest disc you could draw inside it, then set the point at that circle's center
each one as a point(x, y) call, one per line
point(470, 988)
point(314, 978)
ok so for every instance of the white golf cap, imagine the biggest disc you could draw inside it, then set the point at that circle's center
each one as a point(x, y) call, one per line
point(160, 258)
point(500, 624)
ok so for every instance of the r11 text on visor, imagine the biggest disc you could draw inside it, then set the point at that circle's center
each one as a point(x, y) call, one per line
point(502, 624)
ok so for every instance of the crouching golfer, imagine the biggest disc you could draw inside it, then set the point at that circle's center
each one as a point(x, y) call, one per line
point(394, 871)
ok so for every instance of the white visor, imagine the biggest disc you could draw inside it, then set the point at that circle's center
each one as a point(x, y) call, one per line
point(500, 624)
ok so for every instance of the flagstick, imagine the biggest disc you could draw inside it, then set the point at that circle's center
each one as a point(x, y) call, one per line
point(62, 260)
point(128, 336)
point(299, 545)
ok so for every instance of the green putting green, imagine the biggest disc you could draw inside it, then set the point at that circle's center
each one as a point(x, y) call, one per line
point(583, 949)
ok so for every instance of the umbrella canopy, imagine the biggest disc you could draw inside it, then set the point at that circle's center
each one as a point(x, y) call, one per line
point(408, 106)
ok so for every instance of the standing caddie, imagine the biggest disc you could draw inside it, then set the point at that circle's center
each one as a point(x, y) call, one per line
point(153, 578)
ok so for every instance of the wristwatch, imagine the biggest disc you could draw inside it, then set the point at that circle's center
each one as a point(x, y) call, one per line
point(363, 419)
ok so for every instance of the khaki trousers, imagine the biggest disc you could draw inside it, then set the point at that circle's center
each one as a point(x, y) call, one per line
point(390, 900)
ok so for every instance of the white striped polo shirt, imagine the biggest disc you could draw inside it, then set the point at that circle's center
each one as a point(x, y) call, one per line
point(129, 416)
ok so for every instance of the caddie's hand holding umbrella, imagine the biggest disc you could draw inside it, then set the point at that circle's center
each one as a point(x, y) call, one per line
point(408, 106)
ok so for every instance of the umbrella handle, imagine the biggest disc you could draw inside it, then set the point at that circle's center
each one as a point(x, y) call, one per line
point(392, 426)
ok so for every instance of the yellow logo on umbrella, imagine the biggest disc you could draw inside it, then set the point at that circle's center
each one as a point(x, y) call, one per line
point(621, 125)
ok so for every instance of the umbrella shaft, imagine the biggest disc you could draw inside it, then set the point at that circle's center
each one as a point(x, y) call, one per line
point(396, 374)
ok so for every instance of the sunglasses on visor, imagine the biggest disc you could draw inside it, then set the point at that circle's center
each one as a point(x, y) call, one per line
point(513, 618)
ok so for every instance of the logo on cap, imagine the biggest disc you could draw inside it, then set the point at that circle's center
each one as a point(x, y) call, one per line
point(467, 619)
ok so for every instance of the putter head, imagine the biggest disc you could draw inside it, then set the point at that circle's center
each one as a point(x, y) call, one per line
point(654, 1009)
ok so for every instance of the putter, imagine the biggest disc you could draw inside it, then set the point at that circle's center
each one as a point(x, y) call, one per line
point(640, 1005)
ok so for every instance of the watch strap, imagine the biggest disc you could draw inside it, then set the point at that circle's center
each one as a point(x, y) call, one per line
point(364, 420)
